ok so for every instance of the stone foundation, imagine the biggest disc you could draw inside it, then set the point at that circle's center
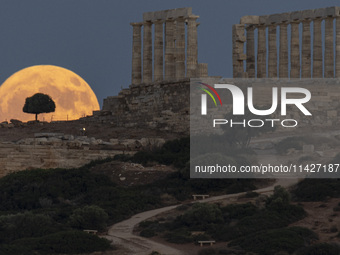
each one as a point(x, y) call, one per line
point(163, 106)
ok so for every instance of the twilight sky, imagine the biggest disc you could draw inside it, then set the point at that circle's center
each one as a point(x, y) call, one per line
point(93, 38)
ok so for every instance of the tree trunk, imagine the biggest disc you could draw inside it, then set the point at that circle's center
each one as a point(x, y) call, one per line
point(36, 116)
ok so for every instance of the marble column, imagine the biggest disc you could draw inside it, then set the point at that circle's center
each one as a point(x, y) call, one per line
point(317, 49)
point(180, 48)
point(192, 47)
point(283, 53)
point(329, 55)
point(272, 52)
point(337, 49)
point(147, 52)
point(306, 50)
point(250, 51)
point(294, 51)
point(170, 71)
point(261, 53)
point(202, 70)
point(158, 52)
point(136, 74)
point(238, 38)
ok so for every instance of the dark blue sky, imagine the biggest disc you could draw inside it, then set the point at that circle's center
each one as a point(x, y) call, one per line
point(93, 38)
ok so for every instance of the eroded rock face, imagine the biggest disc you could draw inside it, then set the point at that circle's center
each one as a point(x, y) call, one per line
point(57, 150)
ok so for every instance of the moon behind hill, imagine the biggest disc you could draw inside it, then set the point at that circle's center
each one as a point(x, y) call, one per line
point(73, 97)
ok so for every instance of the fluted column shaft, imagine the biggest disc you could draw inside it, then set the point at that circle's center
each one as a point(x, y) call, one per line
point(294, 51)
point(192, 47)
point(238, 38)
point(136, 74)
point(261, 53)
point(147, 53)
point(158, 54)
point(180, 48)
point(272, 52)
point(317, 49)
point(329, 55)
point(170, 71)
point(306, 50)
point(250, 47)
point(283, 53)
point(337, 49)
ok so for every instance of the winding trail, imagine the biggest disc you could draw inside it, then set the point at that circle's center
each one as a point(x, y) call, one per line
point(121, 233)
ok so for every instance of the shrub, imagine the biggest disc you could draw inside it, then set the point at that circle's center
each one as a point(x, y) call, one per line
point(68, 242)
point(147, 233)
point(89, 217)
point(179, 236)
point(289, 143)
point(316, 189)
point(320, 249)
point(200, 216)
point(272, 241)
point(23, 225)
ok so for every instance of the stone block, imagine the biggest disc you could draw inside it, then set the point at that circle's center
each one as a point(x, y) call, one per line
point(166, 14)
point(250, 20)
point(278, 18)
point(38, 135)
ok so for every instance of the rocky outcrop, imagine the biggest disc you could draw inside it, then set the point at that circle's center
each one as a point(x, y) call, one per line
point(56, 150)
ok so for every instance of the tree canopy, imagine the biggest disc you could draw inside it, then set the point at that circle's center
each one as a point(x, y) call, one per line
point(39, 103)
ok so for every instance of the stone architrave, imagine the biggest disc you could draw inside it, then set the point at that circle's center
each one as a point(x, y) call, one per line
point(180, 48)
point(147, 52)
point(306, 50)
point(250, 51)
point(283, 53)
point(261, 53)
point(272, 52)
point(329, 55)
point(294, 51)
point(158, 54)
point(317, 49)
point(136, 74)
point(192, 47)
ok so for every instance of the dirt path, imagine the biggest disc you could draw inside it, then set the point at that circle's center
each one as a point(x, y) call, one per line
point(121, 234)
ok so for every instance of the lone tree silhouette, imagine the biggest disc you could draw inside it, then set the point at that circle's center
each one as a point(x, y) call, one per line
point(39, 103)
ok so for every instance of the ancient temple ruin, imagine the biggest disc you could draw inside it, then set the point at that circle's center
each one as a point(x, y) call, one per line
point(171, 57)
point(280, 51)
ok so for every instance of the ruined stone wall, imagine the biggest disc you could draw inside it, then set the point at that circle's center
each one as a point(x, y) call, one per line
point(163, 106)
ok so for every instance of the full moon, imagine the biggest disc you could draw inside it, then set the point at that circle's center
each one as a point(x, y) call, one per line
point(73, 97)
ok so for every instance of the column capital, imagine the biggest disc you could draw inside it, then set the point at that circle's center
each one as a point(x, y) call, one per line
point(136, 24)
point(295, 21)
point(307, 20)
point(193, 17)
point(250, 27)
point(158, 21)
point(147, 22)
point(180, 18)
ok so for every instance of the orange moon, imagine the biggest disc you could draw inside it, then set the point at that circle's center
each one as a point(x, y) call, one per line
point(73, 97)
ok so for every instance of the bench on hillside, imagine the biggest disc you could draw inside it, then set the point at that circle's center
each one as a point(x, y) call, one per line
point(89, 231)
point(200, 196)
point(206, 242)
